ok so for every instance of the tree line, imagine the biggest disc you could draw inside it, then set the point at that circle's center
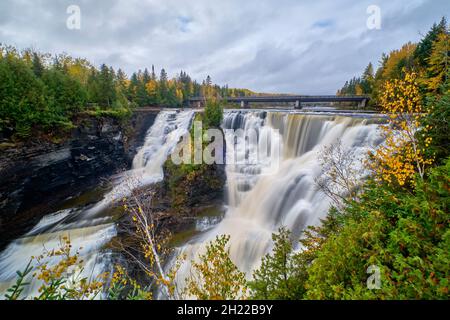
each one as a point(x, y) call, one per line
point(45, 93)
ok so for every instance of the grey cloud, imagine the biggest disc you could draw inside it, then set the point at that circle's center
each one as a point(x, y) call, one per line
point(279, 46)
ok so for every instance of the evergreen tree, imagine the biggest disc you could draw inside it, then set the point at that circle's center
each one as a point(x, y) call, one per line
point(132, 88)
point(142, 98)
point(146, 76)
point(280, 276)
point(22, 102)
point(368, 79)
point(122, 80)
point(153, 75)
point(93, 87)
point(38, 67)
point(121, 88)
point(107, 94)
point(424, 48)
point(163, 89)
point(438, 63)
point(208, 81)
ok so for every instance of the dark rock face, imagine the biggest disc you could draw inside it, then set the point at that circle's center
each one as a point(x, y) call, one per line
point(35, 179)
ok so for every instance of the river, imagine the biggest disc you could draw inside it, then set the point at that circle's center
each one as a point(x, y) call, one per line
point(276, 190)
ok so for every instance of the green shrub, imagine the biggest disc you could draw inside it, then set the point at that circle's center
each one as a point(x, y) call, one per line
point(213, 114)
point(405, 234)
point(402, 232)
point(281, 275)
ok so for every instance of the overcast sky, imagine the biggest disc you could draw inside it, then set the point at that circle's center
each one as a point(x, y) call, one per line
point(290, 46)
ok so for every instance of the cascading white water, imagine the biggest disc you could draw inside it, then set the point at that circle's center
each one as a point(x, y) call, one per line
point(161, 139)
point(266, 195)
point(92, 228)
point(264, 192)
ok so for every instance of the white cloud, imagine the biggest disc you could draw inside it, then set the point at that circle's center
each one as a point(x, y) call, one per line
point(280, 46)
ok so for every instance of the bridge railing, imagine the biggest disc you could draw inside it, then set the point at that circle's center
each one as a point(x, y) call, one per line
point(290, 98)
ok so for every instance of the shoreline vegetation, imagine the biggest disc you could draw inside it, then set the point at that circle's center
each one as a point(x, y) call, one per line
point(394, 226)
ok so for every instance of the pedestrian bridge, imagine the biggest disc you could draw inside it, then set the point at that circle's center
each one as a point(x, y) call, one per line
point(297, 100)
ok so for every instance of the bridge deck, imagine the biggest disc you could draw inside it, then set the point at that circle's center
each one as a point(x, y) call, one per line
point(290, 98)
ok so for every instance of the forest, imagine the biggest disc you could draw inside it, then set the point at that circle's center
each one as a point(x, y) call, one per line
point(43, 94)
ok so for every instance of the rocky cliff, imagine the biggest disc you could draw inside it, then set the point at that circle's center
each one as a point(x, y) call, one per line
point(36, 177)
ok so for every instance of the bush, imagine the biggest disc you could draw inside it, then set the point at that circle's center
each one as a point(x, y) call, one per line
point(213, 114)
point(405, 235)
point(214, 276)
point(281, 275)
point(439, 124)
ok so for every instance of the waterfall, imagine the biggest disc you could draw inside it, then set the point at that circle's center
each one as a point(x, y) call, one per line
point(93, 227)
point(160, 141)
point(266, 195)
point(264, 190)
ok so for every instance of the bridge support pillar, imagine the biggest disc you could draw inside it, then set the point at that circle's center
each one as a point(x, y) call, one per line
point(244, 105)
point(362, 104)
point(298, 105)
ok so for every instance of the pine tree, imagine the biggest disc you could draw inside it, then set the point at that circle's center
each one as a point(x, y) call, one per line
point(132, 88)
point(121, 88)
point(153, 75)
point(438, 63)
point(280, 276)
point(163, 88)
point(122, 80)
point(38, 67)
point(93, 86)
point(106, 88)
point(424, 48)
point(146, 76)
point(368, 79)
point(163, 76)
